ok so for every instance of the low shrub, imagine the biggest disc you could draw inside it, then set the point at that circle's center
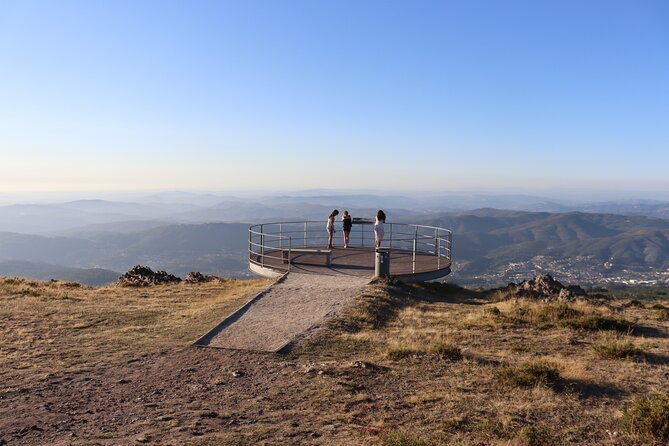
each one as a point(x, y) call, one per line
point(529, 374)
point(649, 416)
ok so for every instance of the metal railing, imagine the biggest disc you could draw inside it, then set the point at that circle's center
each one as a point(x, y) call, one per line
point(271, 243)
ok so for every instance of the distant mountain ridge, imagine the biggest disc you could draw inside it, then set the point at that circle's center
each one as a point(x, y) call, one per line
point(189, 208)
point(489, 246)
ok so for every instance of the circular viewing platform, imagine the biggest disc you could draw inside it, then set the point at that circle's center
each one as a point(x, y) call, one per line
point(416, 252)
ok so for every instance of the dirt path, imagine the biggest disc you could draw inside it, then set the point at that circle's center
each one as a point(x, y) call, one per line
point(298, 303)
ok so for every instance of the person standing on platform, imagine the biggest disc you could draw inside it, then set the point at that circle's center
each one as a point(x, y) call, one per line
point(330, 227)
point(347, 224)
point(379, 229)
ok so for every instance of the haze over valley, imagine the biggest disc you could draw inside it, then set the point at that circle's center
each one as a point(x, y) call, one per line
point(496, 238)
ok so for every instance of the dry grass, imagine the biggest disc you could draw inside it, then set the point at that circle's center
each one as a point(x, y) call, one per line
point(65, 327)
point(648, 417)
point(464, 371)
point(617, 347)
point(531, 373)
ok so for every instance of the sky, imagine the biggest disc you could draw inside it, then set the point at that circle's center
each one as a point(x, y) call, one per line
point(538, 97)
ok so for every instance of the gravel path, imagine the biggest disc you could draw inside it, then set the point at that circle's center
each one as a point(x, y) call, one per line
point(296, 304)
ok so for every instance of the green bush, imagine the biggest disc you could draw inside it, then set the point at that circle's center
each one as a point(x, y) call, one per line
point(649, 416)
point(529, 374)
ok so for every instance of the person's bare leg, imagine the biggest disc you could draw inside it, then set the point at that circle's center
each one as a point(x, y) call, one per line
point(330, 236)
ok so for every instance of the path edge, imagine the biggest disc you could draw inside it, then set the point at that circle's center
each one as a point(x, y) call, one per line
point(203, 341)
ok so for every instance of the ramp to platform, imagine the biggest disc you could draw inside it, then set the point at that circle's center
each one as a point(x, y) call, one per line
point(290, 307)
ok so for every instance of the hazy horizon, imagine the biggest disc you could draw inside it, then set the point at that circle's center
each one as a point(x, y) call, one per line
point(562, 197)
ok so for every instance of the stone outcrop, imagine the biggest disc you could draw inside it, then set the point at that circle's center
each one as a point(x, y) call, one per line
point(142, 276)
point(543, 287)
point(198, 277)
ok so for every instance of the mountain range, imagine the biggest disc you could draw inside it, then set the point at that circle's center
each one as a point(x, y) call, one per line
point(489, 245)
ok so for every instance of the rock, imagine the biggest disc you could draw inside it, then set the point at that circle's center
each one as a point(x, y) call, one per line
point(198, 277)
point(143, 439)
point(238, 373)
point(142, 276)
point(544, 287)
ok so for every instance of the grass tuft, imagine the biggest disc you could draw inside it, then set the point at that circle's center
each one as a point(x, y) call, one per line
point(399, 438)
point(616, 347)
point(649, 416)
point(399, 353)
point(447, 351)
point(529, 374)
point(595, 322)
point(535, 436)
point(440, 350)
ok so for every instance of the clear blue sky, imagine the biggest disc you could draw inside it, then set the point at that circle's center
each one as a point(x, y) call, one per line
point(530, 96)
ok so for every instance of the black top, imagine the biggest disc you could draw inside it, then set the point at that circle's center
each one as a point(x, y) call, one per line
point(348, 223)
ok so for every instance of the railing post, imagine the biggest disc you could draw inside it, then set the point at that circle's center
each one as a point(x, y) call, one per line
point(262, 246)
point(450, 246)
point(304, 245)
point(250, 244)
point(391, 236)
point(362, 235)
point(438, 247)
point(290, 254)
point(436, 237)
point(280, 237)
point(415, 241)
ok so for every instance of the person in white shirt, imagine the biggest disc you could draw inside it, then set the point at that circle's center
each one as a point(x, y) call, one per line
point(379, 223)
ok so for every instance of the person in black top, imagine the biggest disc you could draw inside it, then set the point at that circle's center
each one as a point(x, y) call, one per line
point(347, 224)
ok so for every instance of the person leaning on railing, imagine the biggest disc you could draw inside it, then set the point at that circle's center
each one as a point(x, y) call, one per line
point(330, 227)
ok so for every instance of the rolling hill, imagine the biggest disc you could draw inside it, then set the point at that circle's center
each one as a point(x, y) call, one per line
point(490, 246)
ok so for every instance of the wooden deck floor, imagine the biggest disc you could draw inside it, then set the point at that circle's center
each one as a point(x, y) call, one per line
point(355, 262)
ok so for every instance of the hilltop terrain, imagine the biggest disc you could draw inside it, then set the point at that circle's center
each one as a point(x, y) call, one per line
point(425, 364)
